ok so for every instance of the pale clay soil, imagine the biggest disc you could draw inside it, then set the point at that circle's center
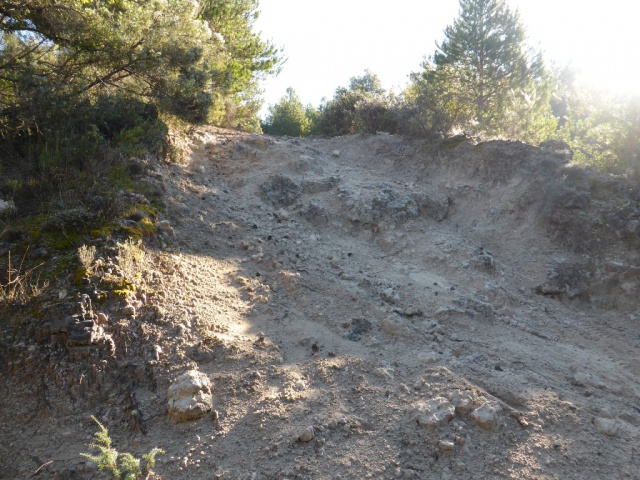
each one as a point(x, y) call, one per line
point(330, 317)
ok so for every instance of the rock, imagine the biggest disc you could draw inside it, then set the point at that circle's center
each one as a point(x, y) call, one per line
point(165, 228)
point(486, 416)
point(97, 202)
point(583, 379)
point(476, 305)
point(463, 401)
point(390, 296)
point(129, 310)
point(316, 214)
point(303, 164)
point(428, 357)
point(282, 215)
point(419, 384)
point(358, 327)
point(158, 354)
point(607, 426)
point(578, 201)
point(437, 411)
point(335, 153)
point(392, 203)
point(280, 191)
point(407, 474)
point(410, 312)
point(483, 260)
point(550, 290)
point(624, 221)
point(72, 219)
point(384, 373)
point(6, 206)
point(437, 208)
point(90, 466)
point(307, 435)
point(446, 446)
point(289, 279)
point(318, 186)
point(394, 327)
point(448, 312)
point(190, 397)
point(137, 198)
point(306, 341)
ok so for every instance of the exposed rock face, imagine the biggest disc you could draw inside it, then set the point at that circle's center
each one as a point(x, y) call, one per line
point(280, 190)
point(190, 397)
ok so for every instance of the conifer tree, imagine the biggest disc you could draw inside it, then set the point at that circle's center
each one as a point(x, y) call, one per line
point(288, 117)
point(484, 59)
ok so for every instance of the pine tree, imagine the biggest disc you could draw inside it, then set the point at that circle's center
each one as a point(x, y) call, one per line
point(187, 57)
point(485, 46)
point(288, 117)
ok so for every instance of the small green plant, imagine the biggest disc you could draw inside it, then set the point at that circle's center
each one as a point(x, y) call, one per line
point(130, 255)
point(87, 255)
point(121, 466)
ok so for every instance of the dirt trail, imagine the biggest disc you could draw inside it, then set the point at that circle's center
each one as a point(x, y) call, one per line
point(370, 307)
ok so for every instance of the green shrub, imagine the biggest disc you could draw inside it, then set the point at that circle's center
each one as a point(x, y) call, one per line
point(120, 466)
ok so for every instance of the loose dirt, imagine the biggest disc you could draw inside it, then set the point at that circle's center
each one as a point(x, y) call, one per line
point(364, 307)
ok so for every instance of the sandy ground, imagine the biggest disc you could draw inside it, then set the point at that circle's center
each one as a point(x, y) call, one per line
point(364, 307)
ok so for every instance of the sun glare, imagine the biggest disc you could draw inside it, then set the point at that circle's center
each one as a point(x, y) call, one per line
point(599, 39)
point(326, 48)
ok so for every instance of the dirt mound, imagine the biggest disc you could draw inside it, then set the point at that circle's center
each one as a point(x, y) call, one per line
point(364, 307)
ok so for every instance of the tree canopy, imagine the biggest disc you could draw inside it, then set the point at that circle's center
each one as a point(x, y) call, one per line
point(363, 107)
point(288, 117)
point(189, 57)
point(485, 61)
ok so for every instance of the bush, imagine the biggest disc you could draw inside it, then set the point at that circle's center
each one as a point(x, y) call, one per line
point(375, 113)
point(288, 117)
point(120, 466)
point(363, 107)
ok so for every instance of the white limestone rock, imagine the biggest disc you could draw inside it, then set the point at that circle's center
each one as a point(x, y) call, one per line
point(433, 413)
point(190, 397)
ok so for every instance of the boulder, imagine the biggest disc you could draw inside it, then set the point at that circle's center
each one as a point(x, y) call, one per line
point(486, 416)
point(190, 397)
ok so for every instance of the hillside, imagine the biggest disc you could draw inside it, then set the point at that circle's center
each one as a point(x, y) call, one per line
point(364, 307)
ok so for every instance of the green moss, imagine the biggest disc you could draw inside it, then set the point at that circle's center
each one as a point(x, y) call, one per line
point(120, 177)
point(134, 231)
point(151, 212)
point(62, 241)
point(119, 286)
point(81, 274)
point(124, 292)
point(103, 232)
point(143, 228)
point(149, 228)
point(453, 142)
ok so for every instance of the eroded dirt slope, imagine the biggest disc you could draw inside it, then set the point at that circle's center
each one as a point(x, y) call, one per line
point(370, 307)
